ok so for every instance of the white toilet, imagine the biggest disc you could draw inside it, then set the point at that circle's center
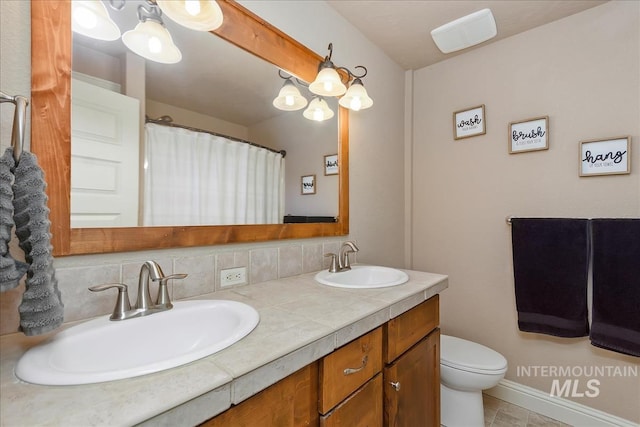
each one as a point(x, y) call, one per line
point(466, 368)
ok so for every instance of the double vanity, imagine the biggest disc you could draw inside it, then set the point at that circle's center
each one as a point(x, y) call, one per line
point(319, 355)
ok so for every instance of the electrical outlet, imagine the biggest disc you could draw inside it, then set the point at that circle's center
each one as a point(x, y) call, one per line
point(233, 276)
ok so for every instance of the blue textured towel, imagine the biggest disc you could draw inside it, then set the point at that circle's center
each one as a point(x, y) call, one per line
point(41, 309)
point(11, 270)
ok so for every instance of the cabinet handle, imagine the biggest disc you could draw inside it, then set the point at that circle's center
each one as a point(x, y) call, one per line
point(350, 371)
point(395, 385)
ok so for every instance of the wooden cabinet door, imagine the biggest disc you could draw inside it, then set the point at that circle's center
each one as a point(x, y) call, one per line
point(412, 386)
point(291, 402)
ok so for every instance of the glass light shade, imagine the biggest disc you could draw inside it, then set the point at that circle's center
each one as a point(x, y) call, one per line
point(289, 98)
point(318, 110)
point(356, 97)
point(90, 18)
point(200, 15)
point(327, 83)
point(152, 41)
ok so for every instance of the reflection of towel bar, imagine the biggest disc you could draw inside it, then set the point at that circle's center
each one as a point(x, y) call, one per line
point(19, 121)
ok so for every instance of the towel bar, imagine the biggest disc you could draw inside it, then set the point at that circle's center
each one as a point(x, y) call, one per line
point(19, 122)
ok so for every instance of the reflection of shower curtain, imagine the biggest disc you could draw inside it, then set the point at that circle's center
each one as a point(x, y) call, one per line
point(197, 178)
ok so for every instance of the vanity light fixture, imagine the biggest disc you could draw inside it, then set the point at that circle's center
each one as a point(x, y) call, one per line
point(328, 82)
point(199, 15)
point(150, 38)
point(318, 110)
point(91, 19)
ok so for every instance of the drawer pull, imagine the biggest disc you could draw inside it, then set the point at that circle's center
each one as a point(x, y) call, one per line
point(395, 385)
point(350, 371)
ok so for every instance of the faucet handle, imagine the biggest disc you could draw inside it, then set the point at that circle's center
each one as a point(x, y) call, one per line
point(334, 262)
point(163, 290)
point(122, 303)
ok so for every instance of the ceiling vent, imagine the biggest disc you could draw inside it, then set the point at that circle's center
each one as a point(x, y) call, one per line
point(465, 32)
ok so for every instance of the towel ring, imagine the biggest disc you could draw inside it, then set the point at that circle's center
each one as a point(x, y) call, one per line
point(19, 122)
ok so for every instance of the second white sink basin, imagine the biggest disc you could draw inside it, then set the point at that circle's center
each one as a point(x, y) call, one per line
point(363, 277)
point(102, 350)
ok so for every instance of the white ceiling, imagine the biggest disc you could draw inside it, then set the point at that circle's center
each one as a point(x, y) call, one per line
point(402, 28)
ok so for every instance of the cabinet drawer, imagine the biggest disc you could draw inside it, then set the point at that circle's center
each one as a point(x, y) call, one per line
point(402, 332)
point(361, 409)
point(346, 369)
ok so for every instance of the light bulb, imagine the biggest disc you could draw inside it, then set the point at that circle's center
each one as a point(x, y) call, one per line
point(289, 100)
point(317, 115)
point(356, 103)
point(155, 45)
point(192, 7)
point(328, 86)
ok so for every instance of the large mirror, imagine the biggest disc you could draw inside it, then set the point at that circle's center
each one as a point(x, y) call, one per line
point(183, 176)
point(51, 135)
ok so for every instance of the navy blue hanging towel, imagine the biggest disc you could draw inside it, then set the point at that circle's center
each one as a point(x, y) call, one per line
point(616, 285)
point(550, 265)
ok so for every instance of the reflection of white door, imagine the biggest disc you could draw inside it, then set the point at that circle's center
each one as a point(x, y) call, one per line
point(104, 157)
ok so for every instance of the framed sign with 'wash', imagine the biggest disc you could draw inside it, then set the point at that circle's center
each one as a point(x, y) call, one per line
point(605, 156)
point(469, 122)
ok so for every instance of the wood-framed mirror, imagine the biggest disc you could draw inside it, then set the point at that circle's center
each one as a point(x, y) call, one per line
point(51, 136)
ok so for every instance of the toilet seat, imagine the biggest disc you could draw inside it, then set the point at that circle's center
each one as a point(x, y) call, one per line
point(469, 356)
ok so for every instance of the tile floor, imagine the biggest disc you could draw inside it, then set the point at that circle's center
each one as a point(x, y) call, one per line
point(498, 413)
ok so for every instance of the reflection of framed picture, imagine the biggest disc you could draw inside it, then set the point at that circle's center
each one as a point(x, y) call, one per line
point(469, 122)
point(331, 164)
point(605, 156)
point(529, 135)
point(308, 184)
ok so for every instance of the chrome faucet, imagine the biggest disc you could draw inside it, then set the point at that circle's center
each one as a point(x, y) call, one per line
point(343, 257)
point(150, 270)
point(341, 261)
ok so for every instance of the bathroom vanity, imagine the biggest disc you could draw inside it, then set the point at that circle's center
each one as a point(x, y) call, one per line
point(319, 356)
point(389, 376)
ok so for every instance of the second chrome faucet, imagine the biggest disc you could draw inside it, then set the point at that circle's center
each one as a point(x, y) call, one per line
point(144, 305)
point(341, 262)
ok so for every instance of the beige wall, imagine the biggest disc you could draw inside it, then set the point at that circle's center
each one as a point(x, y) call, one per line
point(584, 73)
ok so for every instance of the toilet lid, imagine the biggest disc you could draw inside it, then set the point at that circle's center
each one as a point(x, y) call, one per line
point(470, 356)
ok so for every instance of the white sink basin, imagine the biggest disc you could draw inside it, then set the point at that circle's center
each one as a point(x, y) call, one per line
point(363, 277)
point(102, 350)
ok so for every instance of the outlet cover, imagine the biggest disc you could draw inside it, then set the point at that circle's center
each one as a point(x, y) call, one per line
point(233, 276)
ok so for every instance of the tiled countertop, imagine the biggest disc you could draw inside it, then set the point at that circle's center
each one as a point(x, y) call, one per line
point(300, 321)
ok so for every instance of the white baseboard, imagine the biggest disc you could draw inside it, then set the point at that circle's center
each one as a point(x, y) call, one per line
point(558, 408)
